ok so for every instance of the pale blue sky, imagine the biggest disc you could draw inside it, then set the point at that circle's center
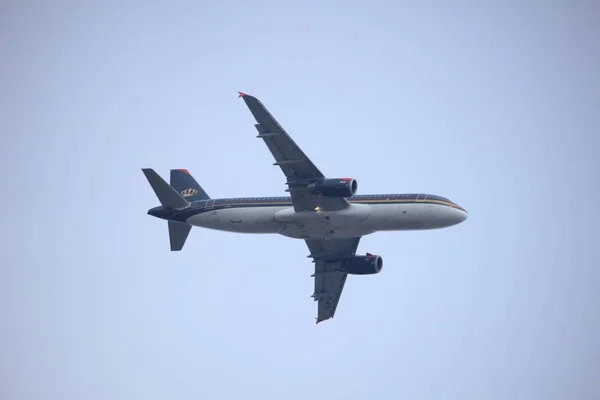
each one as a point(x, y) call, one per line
point(492, 104)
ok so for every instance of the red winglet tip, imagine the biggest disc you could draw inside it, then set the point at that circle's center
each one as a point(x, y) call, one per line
point(185, 171)
point(242, 94)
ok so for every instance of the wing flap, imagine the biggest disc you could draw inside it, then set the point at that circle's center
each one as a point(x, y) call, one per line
point(298, 169)
point(329, 281)
point(328, 290)
point(280, 144)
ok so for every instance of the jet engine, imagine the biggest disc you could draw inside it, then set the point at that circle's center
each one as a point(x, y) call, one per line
point(363, 265)
point(340, 187)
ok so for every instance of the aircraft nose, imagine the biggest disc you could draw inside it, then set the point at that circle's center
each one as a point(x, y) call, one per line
point(460, 215)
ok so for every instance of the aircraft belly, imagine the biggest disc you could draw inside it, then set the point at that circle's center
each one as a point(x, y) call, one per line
point(357, 220)
point(324, 224)
point(398, 217)
point(242, 220)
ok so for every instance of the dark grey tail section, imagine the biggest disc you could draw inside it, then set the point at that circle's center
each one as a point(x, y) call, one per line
point(185, 184)
point(168, 197)
point(178, 234)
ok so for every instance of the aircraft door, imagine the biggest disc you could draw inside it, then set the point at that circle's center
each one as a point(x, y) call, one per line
point(209, 209)
point(209, 204)
point(421, 197)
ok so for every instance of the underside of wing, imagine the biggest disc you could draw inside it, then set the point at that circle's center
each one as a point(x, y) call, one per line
point(299, 170)
point(329, 279)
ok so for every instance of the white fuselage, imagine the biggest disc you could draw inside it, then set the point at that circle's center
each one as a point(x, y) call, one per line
point(354, 221)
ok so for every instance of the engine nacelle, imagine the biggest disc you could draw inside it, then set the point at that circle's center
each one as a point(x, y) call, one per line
point(363, 265)
point(341, 187)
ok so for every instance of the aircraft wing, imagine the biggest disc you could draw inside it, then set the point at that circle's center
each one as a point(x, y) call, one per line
point(296, 166)
point(329, 281)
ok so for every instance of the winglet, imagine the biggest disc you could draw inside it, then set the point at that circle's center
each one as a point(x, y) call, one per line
point(242, 94)
point(319, 320)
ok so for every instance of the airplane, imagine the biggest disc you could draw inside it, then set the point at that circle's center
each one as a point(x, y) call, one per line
point(324, 212)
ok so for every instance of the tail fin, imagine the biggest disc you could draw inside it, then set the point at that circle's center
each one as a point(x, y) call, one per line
point(168, 197)
point(185, 184)
point(178, 234)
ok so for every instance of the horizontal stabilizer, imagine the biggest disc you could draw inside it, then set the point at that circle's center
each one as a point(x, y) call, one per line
point(168, 197)
point(178, 234)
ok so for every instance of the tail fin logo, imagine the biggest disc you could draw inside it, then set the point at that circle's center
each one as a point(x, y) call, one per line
point(188, 192)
